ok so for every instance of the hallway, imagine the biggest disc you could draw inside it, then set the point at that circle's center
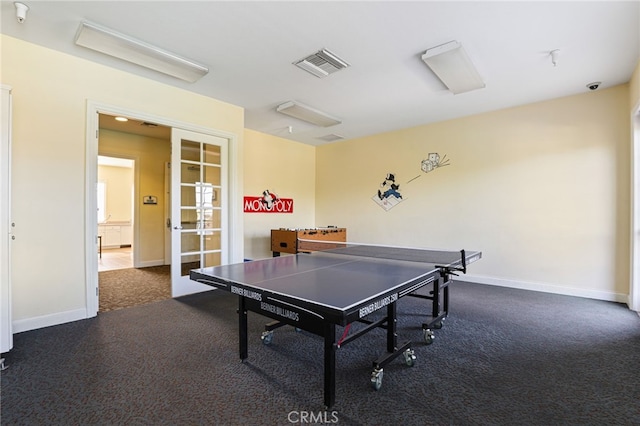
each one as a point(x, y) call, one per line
point(119, 258)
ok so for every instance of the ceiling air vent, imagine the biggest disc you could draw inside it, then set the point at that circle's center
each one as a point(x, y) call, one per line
point(322, 63)
point(331, 137)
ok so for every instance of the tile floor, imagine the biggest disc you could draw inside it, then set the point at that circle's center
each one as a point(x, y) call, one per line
point(120, 258)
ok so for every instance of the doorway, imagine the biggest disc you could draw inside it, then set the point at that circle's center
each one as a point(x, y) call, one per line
point(232, 220)
point(129, 198)
point(115, 196)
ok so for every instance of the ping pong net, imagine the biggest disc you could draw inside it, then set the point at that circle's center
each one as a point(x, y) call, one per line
point(449, 260)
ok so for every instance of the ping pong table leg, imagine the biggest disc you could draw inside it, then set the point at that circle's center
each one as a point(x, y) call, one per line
point(329, 365)
point(435, 310)
point(242, 329)
point(392, 335)
point(445, 307)
point(393, 349)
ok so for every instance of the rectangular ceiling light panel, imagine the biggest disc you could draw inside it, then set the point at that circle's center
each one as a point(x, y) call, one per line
point(453, 67)
point(110, 42)
point(308, 114)
point(322, 63)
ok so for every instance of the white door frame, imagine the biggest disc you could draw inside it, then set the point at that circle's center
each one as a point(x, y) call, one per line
point(634, 290)
point(6, 317)
point(94, 108)
point(167, 213)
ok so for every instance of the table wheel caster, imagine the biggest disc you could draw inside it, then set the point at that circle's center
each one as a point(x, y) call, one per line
point(376, 378)
point(438, 324)
point(409, 357)
point(267, 337)
point(428, 336)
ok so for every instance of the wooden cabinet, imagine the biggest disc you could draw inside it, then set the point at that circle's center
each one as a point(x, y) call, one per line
point(285, 240)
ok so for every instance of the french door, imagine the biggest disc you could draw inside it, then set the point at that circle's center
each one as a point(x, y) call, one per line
point(199, 206)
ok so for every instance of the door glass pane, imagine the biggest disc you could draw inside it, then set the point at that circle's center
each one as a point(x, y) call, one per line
point(190, 151)
point(215, 197)
point(188, 196)
point(212, 259)
point(211, 154)
point(211, 175)
point(207, 195)
point(188, 263)
point(204, 195)
point(194, 242)
point(209, 219)
point(190, 242)
point(188, 219)
point(190, 173)
point(211, 241)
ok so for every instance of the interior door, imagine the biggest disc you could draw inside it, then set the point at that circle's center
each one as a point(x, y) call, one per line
point(199, 206)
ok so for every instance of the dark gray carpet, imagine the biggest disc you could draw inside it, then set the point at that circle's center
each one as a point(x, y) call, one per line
point(504, 357)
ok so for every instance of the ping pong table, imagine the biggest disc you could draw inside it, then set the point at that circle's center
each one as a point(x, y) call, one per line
point(337, 285)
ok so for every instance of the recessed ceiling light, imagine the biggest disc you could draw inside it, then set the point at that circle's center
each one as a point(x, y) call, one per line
point(122, 119)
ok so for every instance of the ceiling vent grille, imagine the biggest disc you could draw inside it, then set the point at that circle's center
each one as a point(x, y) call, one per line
point(331, 137)
point(322, 63)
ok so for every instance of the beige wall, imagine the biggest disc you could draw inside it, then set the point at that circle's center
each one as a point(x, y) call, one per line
point(542, 190)
point(634, 88)
point(150, 154)
point(50, 94)
point(119, 192)
point(286, 168)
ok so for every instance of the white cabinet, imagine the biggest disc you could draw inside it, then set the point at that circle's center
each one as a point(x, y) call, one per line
point(111, 236)
point(126, 235)
point(115, 235)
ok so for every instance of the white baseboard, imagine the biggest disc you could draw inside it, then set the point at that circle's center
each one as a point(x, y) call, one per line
point(148, 263)
point(79, 314)
point(548, 288)
point(48, 320)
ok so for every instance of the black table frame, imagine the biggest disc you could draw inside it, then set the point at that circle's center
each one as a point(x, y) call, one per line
point(322, 321)
point(324, 325)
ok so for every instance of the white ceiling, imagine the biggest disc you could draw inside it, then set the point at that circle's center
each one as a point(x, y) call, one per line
point(250, 46)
